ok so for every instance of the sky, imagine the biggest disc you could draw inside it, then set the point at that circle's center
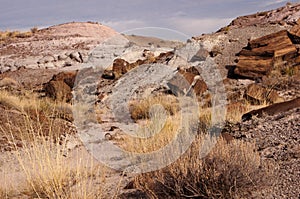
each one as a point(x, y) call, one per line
point(188, 17)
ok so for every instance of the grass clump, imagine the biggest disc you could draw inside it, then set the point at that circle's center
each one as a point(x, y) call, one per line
point(140, 109)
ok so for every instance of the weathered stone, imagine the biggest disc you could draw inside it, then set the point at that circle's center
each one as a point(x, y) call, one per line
point(273, 109)
point(263, 54)
point(76, 56)
point(294, 34)
point(184, 82)
point(46, 59)
point(62, 57)
point(120, 67)
point(60, 86)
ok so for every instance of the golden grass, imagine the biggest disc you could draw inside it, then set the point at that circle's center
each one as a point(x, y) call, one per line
point(3, 193)
point(50, 175)
point(5, 35)
point(153, 136)
point(229, 171)
point(140, 109)
point(41, 153)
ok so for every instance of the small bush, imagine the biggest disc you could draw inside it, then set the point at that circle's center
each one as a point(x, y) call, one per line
point(34, 30)
point(229, 171)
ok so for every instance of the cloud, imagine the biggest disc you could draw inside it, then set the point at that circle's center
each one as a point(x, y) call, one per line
point(124, 25)
point(194, 26)
point(273, 3)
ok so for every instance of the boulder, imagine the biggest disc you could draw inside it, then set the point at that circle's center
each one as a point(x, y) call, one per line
point(60, 86)
point(185, 81)
point(264, 54)
point(46, 59)
point(76, 56)
point(120, 67)
point(294, 34)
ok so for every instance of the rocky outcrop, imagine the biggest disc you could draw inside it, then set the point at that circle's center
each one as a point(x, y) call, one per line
point(277, 139)
point(187, 81)
point(264, 54)
point(288, 14)
point(121, 66)
point(58, 46)
point(60, 86)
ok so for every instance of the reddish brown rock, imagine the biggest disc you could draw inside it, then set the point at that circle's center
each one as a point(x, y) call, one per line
point(120, 67)
point(60, 86)
point(273, 109)
point(264, 54)
point(187, 80)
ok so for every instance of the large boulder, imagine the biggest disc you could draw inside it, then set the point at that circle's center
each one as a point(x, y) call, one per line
point(186, 81)
point(264, 54)
point(60, 86)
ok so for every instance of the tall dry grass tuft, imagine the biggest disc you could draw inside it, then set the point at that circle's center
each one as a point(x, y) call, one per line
point(229, 171)
point(40, 147)
point(49, 174)
point(141, 109)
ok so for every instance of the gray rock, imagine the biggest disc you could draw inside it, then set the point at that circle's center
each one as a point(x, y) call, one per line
point(46, 59)
point(62, 57)
point(76, 56)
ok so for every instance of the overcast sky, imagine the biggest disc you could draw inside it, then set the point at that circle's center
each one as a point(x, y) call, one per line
point(191, 17)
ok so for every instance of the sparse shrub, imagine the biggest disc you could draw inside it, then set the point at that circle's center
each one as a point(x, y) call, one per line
point(34, 30)
point(229, 171)
point(227, 28)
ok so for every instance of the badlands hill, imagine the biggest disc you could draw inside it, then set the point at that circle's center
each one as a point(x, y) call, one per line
point(250, 69)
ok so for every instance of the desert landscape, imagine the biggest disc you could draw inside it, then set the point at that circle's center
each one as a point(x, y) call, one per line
point(87, 112)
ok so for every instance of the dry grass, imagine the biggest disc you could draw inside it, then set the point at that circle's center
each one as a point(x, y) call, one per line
point(42, 152)
point(49, 173)
point(6, 35)
point(141, 109)
point(3, 193)
point(153, 135)
point(230, 171)
point(27, 112)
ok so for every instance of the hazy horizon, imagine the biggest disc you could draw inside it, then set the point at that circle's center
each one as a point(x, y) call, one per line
point(185, 16)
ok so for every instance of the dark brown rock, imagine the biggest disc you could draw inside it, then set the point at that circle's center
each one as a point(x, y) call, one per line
point(273, 109)
point(264, 54)
point(60, 86)
point(187, 80)
point(120, 67)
